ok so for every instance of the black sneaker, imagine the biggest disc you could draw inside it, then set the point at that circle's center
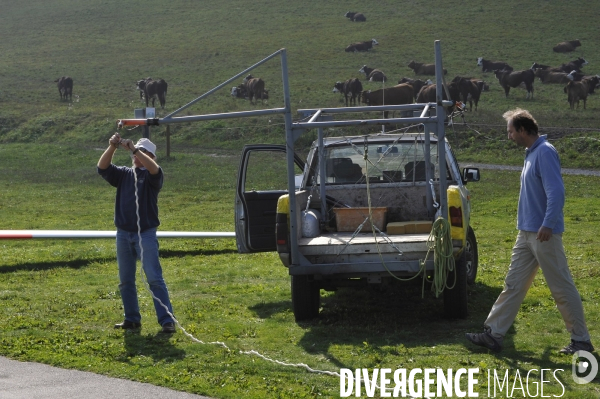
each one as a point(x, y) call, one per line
point(575, 346)
point(128, 325)
point(168, 328)
point(486, 340)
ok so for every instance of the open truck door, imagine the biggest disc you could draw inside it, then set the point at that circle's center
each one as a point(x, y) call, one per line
point(262, 179)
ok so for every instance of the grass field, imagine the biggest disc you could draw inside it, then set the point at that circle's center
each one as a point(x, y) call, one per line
point(60, 298)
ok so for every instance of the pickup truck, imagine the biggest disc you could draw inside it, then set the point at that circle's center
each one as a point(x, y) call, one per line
point(363, 211)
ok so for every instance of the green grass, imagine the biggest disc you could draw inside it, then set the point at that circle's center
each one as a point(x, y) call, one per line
point(61, 297)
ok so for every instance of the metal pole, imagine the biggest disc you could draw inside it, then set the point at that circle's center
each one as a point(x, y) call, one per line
point(440, 115)
point(168, 141)
point(322, 178)
point(289, 139)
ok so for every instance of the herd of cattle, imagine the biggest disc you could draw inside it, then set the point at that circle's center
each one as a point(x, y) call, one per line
point(408, 90)
point(465, 89)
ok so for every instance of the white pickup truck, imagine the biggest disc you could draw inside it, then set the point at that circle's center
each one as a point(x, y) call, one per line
point(362, 214)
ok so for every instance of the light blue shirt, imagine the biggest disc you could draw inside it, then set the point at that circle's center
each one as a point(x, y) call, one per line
point(542, 195)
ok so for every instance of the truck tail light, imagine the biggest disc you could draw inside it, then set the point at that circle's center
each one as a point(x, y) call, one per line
point(281, 232)
point(456, 216)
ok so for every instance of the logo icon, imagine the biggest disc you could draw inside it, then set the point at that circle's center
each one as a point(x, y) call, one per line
point(584, 367)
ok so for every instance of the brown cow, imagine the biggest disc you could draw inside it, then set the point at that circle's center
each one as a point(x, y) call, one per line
point(361, 46)
point(423, 69)
point(566, 47)
point(254, 88)
point(373, 75)
point(417, 84)
point(577, 91)
point(65, 87)
point(548, 76)
point(350, 88)
point(428, 95)
point(395, 95)
point(514, 79)
point(355, 16)
point(469, 89)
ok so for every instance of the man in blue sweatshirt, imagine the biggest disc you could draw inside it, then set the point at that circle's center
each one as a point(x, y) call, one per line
point(539, 243)
point(136, 219)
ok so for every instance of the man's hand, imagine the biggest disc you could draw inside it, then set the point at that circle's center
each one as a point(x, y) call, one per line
point(115, 140)
point(544, 234)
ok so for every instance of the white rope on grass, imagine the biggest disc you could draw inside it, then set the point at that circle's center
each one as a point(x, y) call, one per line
point(218, 343)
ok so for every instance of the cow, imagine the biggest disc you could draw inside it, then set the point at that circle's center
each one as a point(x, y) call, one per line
point(574, 65)
point(423, 69)
point(592, 82)
point(395, 95)
point(428, 95)
point(469, 89)
point(253, 89)
point(362, 46)
point(141, 85)
point(373, 75)
point(577, 91)
point(547, 76)
point(356, 16)
point(491, 66)
point(350, 88)
point(65, 87)
point(154, 88)
point(566, 47)
point(509, 79)
point(417, 84)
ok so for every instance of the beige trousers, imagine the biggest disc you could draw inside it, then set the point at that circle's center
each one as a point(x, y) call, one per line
point(527, 256)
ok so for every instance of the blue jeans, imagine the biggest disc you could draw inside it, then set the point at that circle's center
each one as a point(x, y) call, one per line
point(128, 252)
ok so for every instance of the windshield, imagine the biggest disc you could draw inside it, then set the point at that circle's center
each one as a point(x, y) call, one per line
point(394, 161)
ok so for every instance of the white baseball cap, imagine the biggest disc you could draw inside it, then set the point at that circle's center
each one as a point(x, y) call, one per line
point(147, 145)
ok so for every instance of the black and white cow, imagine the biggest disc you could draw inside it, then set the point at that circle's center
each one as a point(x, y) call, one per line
point(350, 88)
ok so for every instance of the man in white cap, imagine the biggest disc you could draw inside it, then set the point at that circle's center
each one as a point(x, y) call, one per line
point(145, 177)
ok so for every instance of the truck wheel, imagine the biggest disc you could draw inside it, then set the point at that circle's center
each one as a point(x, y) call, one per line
point(455, 299)
point(472, 256)
point(306, 298)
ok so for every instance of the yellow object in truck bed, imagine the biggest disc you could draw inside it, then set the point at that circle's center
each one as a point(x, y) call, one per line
point(412, 227)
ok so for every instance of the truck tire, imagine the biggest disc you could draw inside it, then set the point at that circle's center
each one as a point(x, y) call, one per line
point(472, 256)
point(306, 298)
point(455, 299)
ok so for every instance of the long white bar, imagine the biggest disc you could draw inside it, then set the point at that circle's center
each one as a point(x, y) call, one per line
point(85, 234)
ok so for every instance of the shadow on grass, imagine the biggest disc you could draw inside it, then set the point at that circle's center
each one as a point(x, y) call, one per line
point(158, 347)
point(80, 263)
point(397, 320)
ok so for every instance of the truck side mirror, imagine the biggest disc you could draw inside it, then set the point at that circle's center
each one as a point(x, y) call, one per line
point(470, 174)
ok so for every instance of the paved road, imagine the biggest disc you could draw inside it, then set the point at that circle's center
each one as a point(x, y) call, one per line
point(24, 380)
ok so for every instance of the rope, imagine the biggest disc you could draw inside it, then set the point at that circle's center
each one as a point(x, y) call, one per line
point(440, 241)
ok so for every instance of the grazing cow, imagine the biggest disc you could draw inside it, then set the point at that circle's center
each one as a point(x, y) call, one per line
point(491, 66)
point(373, 75)
point(355, 16)
point(362, 46)
point(577, 91)
point(152, 89)
point(574, 65)
point(514, 79)
point(417, 84)
point(251, 88)
point(65, 87)
point(423, 69)
point(566, 47)
point(350, 88)
point(547, 76)
point(469, 89)
point(395, 95)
